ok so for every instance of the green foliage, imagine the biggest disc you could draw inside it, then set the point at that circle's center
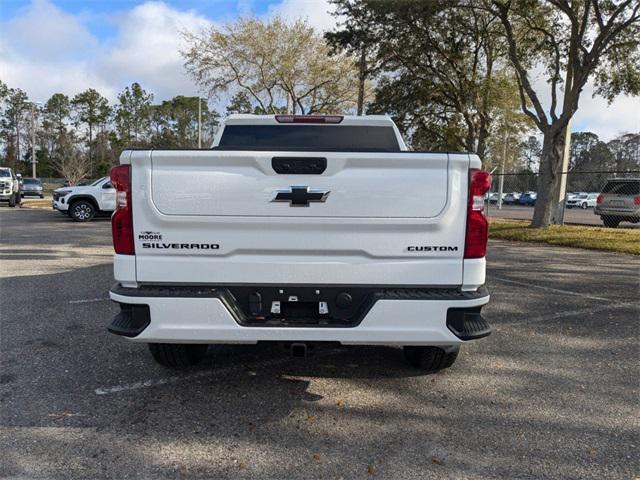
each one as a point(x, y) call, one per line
point(132, 116)
point(84, 136)
point(442, 75)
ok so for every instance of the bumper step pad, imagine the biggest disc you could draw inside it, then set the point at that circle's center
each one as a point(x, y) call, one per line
point(131, 320)
point(467, 323)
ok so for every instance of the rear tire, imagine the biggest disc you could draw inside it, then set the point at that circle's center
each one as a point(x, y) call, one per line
point(177, 355)
point(429, 359)
point(82, 211)
point(611, 222)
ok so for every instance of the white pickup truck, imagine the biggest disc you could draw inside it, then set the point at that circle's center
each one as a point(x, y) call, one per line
point(300, 229)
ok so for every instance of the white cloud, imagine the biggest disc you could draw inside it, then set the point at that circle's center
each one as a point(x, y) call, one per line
point(147, 49)
point(607, 121)
point(61, 55)
point(45, 32)
point(315, 11)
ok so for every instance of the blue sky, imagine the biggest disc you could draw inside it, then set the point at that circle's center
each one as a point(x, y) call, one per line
point(49, 46)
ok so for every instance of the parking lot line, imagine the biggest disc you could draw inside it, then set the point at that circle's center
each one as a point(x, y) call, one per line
point(550, 289)
point(90, 300)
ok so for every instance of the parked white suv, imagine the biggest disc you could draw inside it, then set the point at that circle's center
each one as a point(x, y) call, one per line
point(582, 200)
point(9, 187)
point(82, 203)
point(300, 229)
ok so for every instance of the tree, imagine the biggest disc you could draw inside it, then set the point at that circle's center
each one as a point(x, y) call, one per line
point(531, 150)
point(572, 42)
point(357, 36)
point(56, 114)
point(14, 121)
point(626, 152)
point(447, 85)
point(70, 162)
point(90, 109)
point(175, 122)
point(279, 66)
point(132, 116)
point(239, 103)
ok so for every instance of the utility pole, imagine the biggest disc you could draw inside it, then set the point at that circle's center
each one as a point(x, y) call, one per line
point(199, 123)
point(33, 140)
point(504, 160)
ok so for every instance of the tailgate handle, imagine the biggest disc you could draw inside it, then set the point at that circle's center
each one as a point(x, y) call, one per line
point(299, 165)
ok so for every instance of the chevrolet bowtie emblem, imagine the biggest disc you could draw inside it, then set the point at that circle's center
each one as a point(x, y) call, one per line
point(300, 196)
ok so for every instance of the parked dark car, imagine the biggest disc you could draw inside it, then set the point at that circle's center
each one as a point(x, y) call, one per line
point(528, 199)
point(32, 187)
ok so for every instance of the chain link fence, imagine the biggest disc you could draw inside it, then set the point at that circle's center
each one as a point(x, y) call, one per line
point(597, 198)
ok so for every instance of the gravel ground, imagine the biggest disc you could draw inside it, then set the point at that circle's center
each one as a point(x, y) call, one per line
point(552, 393)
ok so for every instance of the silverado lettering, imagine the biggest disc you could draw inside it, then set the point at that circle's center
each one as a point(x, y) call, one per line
point(182, 246)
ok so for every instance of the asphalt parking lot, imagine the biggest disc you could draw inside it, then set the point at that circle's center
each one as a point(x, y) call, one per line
point(552, 393)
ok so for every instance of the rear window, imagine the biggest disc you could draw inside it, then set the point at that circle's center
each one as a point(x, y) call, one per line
point(31, 181)
point(631, 187)
point(324, 138)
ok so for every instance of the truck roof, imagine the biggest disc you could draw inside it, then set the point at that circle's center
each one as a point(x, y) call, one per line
point(249, 119)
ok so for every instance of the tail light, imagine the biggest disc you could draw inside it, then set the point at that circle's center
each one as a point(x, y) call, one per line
point(636, 200)
point(600, 199)
point(122, 218)
point(475, 243)
point(309, 118)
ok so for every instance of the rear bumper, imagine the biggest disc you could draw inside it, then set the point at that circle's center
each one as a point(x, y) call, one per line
point(446, 317)
point(615, 212)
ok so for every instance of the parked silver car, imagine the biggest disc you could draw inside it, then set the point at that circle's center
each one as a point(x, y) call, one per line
point(32, 187)
point(619, 202)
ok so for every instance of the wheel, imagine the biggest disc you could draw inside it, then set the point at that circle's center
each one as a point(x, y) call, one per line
point(82, 211)
point(12, 201)
point(584, 205)
point(429, 359)
point(177, 355)
point(41, 196)
point(611, 222)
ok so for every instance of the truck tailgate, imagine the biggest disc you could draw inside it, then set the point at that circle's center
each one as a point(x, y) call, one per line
point(209, 217)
